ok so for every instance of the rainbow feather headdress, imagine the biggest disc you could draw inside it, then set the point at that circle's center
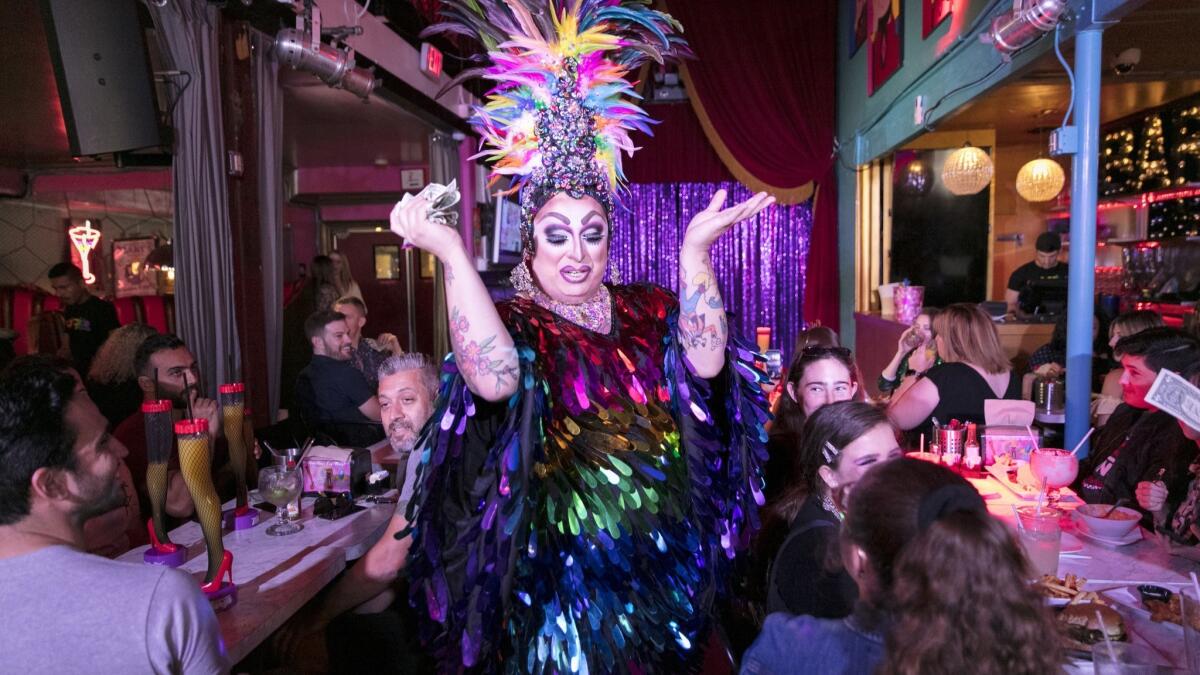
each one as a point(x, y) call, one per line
point(562, 110)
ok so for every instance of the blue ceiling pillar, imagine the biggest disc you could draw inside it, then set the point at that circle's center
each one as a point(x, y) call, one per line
point(1082, 259)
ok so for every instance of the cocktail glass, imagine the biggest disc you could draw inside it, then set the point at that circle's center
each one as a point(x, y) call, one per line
point(1054, 469)
point(280, 486)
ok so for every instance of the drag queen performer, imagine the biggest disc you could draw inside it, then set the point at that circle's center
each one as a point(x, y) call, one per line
point(592, 463)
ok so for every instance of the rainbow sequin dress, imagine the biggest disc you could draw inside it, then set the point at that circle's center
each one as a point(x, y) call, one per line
point(587, 524)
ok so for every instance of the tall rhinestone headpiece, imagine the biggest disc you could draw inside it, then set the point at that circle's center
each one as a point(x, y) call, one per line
point(562, 110)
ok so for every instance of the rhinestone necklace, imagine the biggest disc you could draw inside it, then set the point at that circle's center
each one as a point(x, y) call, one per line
point(594, 314)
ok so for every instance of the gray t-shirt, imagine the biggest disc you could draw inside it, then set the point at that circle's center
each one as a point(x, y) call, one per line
point(65, 611)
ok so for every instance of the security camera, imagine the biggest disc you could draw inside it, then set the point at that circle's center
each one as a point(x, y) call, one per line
point(1125, 61)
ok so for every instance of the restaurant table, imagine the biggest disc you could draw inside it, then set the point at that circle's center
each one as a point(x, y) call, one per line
point(277, 575)
point(1105, 567)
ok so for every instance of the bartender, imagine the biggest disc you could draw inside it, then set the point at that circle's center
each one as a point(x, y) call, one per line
point(1040, 286)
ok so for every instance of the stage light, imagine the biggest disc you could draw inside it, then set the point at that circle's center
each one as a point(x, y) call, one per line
point(333, 66)
point(1017, 28)
point(1040, 180)
point(967, 171)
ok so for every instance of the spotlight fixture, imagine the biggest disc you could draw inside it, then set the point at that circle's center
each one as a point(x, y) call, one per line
point(1017, 28)
point(332, 65)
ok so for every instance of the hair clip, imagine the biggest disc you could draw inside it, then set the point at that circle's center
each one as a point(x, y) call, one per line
point(831, 453)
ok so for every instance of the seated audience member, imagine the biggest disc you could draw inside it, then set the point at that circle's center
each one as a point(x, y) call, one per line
point(1140, 443)
point(916, 353)
point(89, 319)
point(367, 354)
point(816, 376)
point(1129, 323)
point(942, 585)
point(112, 382)
point(167, 370)
point(332, 395)
point(840, 442)
point(974, 371)
point(68, 611)
point(1181, 528)
point(374, 641)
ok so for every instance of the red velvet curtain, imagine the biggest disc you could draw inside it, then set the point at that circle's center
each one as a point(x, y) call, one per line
point(678, 152)
point(763, 87)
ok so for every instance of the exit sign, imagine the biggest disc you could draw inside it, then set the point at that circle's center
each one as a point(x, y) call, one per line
point(431, 61)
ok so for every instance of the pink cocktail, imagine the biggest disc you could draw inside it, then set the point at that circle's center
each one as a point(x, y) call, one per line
point(1054, 468)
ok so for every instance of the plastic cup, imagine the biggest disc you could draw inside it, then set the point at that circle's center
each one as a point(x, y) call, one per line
point(1041, 537)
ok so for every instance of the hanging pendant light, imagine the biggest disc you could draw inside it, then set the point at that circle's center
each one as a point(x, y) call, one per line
point(1040, 180)
point(967, 171)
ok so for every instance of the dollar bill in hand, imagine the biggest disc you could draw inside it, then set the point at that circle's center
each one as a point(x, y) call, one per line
point(442, 202)
point(1177, 397)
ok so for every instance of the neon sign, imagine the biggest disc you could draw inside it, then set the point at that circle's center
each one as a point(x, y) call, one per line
point(85, 239)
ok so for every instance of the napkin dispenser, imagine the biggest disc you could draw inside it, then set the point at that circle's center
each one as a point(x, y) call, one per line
point(337, 470)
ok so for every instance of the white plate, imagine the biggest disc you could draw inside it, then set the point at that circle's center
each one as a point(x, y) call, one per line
point(1081, 528)
point(1024, 489)
point(1070, 544)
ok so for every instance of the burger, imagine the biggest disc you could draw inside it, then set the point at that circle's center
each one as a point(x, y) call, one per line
point(1081, 623)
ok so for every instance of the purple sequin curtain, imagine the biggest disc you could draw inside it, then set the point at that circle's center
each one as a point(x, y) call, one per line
point(760, 264)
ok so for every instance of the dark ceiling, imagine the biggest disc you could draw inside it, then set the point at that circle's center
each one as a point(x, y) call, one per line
point(32, 132)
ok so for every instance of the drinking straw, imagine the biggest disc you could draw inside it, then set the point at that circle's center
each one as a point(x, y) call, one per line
point(1083, 440)
point(1020, 528)
point(1112, 653)
point(186, 397)
point(921, 448)
point(156, 396)
point(1029, 430)
point(1195, 586)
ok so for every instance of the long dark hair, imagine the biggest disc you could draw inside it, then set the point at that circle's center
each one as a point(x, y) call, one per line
point(320, 273)
point(838, 424)
point(952, 578)
point(789, 415)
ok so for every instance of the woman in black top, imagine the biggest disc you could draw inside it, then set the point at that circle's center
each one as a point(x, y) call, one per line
point(976, 370)
point(799, 538)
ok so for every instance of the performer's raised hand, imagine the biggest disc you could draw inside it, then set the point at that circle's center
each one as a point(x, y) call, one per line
point(708, 225)
point(411, 222)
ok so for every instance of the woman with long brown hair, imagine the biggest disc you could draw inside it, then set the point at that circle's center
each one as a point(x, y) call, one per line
point(975, 370)
point(346, 285)
point(943, 588)
point(817, 376)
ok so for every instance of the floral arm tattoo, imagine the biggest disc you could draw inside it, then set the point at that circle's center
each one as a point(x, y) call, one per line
point(702, 322)
point(477, 359)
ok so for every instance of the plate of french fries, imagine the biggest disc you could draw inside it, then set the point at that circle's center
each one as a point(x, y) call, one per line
point(1067, 591)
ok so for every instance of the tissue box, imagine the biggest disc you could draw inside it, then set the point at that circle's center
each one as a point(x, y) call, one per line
point(330, 469)
point(1004, 440)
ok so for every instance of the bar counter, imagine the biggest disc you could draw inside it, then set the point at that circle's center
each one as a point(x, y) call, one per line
point(876, 337)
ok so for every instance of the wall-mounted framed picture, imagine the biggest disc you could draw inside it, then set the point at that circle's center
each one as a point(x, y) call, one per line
point(886, 49)
point(933, 13)
point(387, 261)
point(129, 267)
point(860, 28)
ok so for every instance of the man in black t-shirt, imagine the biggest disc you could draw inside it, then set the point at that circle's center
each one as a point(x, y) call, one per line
point(89, 319)
point(332, 394)
point(1039, 283)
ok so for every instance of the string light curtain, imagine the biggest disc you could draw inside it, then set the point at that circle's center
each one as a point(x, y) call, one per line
point(760, 264)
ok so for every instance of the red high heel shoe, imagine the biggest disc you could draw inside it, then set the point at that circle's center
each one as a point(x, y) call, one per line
point(225, 569)
point(157, 545)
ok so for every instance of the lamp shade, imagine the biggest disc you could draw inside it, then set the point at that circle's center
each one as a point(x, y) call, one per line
point(967, 171)
point(1040, 180)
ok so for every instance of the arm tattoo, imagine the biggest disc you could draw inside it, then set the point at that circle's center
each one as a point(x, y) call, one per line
point(477, 359)
point(448, 274)
point(694, 327)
